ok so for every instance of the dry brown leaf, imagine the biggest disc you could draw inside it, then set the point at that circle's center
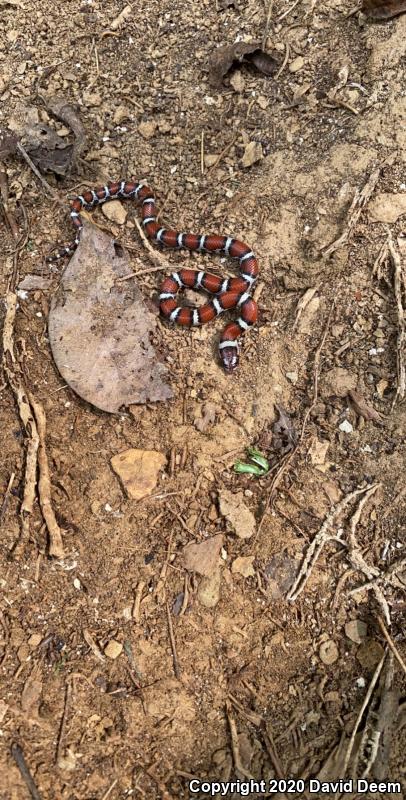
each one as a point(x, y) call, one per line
point(8, 143)
point(284, 433)
point(240, 52)
point(100, 328)
point(383, 9)
point(48, 151)
point(64, 110)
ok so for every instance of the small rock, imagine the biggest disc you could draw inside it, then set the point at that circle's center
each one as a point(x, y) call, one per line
point(91, 98)
point(243, 566)
point(356, 630)
point(147, 129)
point(318, 451)
point(252, 154)
point(328, 652)
point(237, 81)
point(113, 649)
point(238, 515)
point(34, 640)
point(296, 64)
point(138, 471)
point(346, 426)
point(210, 159)
point(203, 558)
point(369, 654)
point(338, 381)
point(387, 207)
point(209, 590)
point(292, 377)
point(121, 113)
point(115, 211)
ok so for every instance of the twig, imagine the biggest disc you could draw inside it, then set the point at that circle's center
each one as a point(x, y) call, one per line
point(321, 538)
point(399, 287)
point(137, 601)
point(391, 643)
point(359, 202)
point(202, 153)
point(316, 368)
point(289, 11)
point(68, 692)
point(4, 202)
point(284, 62)
point(48, 189)
point(223, 153)
point(110, 789)
point(18, 756)
point(6, 497)
point(267, 24)
point(234, 744)
point(361, 712)
point(176, 667)
point(44, 484)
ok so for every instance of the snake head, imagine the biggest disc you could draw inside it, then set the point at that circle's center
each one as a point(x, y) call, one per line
point(229, 358)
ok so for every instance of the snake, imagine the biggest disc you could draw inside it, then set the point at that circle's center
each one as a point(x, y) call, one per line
point(227, 293)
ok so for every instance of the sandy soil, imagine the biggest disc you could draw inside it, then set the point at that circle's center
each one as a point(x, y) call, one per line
point(261, 685)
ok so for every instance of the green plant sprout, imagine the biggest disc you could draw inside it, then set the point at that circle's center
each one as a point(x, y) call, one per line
point(259, 466)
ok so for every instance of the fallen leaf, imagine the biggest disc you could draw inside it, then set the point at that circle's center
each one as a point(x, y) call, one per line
point(8, 143)
point(233, 508)
point(64, 110)
point(383, 9)
point(243, 565)
point(203, 557)
point(303, 303)
point(280, 572)
point(252, 153)
point(365, 410)
point(138, 471)
point(48, 151)
point(228, 56)
point(284, 433)
point(100, 328)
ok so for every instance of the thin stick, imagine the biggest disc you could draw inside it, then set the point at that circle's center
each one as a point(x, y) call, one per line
point(391, 643)
point(176, 667)
point(223, 153)
point(361, 712)
point(48, 189)
point(316, 367)
point(289, 11)
point(202, 153)
point(44, 484)
point(110, 789)
point(18, 756)
point(234, 743)
point(68, 692)
point(398, 282)
point(6, 497)
point(267, 24)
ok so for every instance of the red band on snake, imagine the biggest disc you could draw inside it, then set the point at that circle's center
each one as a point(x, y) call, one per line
point(229, 293)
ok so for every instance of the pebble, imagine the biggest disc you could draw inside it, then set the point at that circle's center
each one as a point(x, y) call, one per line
point(115, 211)
point(356, 630)
point(113, 649)
point(346, 426)
point(138, 471)
point(296, 64)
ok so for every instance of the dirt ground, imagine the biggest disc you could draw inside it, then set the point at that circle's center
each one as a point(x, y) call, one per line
point(124, 674)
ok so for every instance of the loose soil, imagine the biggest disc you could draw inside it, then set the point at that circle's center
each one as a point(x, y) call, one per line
point(90, 689)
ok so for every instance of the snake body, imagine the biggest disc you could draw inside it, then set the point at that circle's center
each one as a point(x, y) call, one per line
point(228, 293)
